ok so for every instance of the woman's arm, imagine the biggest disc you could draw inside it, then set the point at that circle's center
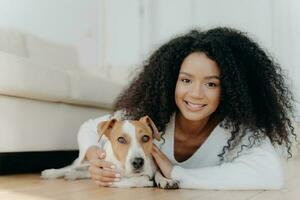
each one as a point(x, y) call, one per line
point(102, 172)
point(257, 168)
point(88, 137)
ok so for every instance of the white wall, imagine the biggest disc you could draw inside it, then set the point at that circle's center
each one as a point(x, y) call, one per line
point(122, 32)
point(286, 45)
point(251, 16)
point(171, 17)
point(74, 22)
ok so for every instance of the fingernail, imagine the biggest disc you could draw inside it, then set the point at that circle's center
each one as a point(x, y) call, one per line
point(102, 155)
point(118, 175)
point(113, 167)
point(116, 179)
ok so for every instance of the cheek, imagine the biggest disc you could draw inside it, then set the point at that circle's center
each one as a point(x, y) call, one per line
point(179, 92)
point(214, 97)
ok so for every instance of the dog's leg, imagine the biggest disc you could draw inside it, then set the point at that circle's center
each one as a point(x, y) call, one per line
point(140, 181)
point(165, 183)
point(72, 172)
point(80, 172)
point(55, 173)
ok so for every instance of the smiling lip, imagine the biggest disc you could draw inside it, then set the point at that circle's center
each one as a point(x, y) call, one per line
point(193, 106)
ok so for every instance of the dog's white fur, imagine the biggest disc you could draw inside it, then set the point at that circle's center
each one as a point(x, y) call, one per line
point(79, 170)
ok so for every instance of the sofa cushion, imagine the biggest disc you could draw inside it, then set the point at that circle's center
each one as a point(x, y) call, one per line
point(12, 42)
point(93, 90)
point(53, 55)
point(24, 78)
point(123, 74)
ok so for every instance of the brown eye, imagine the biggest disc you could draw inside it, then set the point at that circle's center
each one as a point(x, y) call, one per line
point(211, 84)
point(145, 138)
point(185, 80)
point(122, 140)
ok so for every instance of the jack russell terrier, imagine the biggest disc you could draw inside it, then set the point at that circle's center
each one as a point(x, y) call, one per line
point(128, 146)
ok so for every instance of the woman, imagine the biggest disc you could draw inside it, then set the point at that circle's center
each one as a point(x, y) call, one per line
point(222, 107)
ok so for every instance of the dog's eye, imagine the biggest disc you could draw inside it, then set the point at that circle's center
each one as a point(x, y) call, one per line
point(145, 138)
point(122, 140)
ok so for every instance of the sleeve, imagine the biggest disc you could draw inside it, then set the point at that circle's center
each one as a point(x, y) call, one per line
point(88, 136)
point(259, 168)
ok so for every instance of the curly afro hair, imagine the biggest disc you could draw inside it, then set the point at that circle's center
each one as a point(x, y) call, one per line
point(254, 94)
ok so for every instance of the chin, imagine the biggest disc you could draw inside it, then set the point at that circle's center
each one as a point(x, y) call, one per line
point(194, 116)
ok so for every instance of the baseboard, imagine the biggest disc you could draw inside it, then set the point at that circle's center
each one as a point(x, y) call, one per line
point(28, 162)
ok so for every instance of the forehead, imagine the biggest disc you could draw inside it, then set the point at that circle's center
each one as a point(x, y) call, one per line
point(198, 64)
point(132, 127)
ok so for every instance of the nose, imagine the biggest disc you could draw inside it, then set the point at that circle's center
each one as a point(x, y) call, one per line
point(138, 163)
point(197, 91)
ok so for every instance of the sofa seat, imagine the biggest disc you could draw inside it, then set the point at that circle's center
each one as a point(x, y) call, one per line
point(23, 77)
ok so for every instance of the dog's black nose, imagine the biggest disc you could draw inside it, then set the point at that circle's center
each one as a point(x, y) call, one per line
point(138, 163)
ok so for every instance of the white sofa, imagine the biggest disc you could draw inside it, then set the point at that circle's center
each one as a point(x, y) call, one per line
point(44, 98)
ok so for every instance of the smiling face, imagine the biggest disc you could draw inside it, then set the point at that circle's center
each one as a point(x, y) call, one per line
point(198, 87)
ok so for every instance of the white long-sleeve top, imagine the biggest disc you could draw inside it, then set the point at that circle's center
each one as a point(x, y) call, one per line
point(257, 168)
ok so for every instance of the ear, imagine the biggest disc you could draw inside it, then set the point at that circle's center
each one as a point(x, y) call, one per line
point(148, 121)
point(105, 127)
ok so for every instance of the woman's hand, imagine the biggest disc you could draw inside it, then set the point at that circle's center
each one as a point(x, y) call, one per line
point(103, 173)
point(162, 161)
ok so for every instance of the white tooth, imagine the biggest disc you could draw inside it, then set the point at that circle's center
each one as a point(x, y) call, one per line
point(195, 105)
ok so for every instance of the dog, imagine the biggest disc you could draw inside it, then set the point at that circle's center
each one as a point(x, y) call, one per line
point(128, 146)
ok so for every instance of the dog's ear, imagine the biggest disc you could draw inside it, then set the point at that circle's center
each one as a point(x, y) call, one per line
point(105, 127)
point(148, 121)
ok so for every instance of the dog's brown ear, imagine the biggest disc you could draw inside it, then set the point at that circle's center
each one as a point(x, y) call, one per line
point(105, 127)
point(148, 121)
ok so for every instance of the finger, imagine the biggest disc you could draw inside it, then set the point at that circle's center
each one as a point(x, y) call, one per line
point(160, 158)
point(163, 164)
point(110, 173)
point(99, 177)
point(157, 158)
point(156, 149)
point(103, 184)
point(102, 163)
point(101, 153)
point(104, 179)
point(102, 172)
point(159, 153)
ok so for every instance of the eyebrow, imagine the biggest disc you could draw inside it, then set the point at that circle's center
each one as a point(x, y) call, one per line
point(207, 77)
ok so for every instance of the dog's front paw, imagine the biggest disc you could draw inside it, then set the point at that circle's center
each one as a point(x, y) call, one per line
point(168, 184)
point(165, 183)
point(71, 175)
point(50, 174)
